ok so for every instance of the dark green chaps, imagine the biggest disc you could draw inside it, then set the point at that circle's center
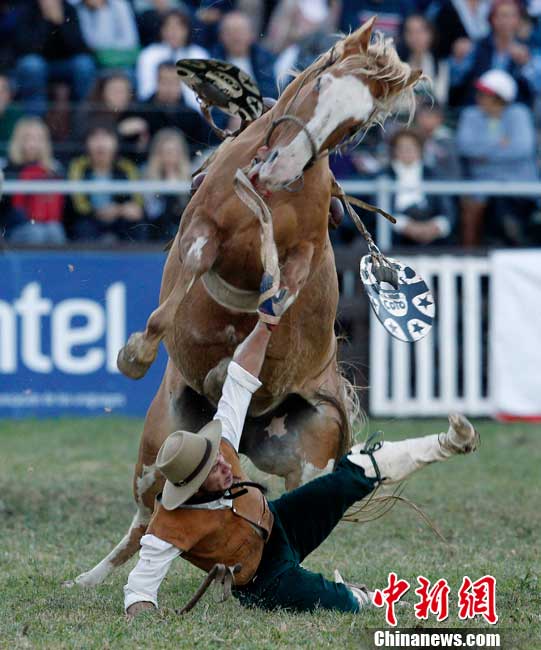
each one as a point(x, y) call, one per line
point(303, 519)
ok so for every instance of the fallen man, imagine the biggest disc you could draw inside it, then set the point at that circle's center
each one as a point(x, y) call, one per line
point(209, 513)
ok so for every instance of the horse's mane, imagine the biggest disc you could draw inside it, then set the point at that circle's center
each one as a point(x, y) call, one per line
point(380, 63)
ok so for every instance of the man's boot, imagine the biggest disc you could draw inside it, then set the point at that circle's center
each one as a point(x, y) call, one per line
point(392, 462)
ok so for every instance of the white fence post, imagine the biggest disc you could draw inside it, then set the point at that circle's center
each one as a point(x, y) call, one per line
point(426, 382)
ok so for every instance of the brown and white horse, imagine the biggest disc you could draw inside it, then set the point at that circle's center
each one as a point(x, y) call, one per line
point(298, 422)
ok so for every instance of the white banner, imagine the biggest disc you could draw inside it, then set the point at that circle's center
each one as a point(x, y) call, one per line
point(515, 350)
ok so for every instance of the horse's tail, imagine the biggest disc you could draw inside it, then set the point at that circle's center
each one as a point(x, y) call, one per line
point(350, 413)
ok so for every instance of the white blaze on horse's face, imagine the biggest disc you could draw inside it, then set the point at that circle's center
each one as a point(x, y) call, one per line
point(340, 99)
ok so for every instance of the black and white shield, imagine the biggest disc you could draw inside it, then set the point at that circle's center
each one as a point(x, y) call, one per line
point(406, 310)
point(222, 84)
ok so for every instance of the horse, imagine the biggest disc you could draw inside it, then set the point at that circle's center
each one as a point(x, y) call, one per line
point(299, 421)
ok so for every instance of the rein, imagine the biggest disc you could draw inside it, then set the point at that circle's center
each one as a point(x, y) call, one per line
point(221, 575)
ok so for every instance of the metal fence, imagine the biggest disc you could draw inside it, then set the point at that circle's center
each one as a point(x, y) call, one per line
point(446, 371)
point(381, 188)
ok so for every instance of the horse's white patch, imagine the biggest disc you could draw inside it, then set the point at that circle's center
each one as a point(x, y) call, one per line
point(146, 480)
point(340, 99)
point(310, 472)
point(277, 427)
point(98, 574)
point(196, 249)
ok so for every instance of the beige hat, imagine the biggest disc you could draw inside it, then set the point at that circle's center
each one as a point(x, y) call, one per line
point(185, 459)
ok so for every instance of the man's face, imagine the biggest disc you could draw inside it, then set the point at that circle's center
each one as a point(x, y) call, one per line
point(168, 90)
point(236, 34)
point(220, 477)
point(5, 93)
point(490, 104)
point(94, 4)
point(101, 147)
point(175, 32)
point(506, 19)
point(407, 151)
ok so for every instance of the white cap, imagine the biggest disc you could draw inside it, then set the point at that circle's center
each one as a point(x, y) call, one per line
point(499, 83)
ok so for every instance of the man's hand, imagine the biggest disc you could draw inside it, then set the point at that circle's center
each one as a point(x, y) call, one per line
point(137, 608)
point(272, 306)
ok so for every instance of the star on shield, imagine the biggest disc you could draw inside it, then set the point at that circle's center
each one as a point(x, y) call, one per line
point(425, 302)
point(417, 328)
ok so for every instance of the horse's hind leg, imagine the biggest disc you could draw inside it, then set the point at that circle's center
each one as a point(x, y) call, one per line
point(161, 420)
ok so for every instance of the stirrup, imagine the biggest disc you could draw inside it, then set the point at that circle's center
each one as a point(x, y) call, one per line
point(371, 446)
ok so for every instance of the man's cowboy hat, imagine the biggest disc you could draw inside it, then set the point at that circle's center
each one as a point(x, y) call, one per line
point(185, 459)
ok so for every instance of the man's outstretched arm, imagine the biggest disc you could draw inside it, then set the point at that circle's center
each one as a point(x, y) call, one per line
point(243, 370)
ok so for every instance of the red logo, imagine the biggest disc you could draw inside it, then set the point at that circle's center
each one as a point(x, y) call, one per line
point(478, 599)
point(434, 600)
point(389, 596)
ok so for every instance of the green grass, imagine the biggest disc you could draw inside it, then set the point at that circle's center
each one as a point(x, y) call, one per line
point(65, 500)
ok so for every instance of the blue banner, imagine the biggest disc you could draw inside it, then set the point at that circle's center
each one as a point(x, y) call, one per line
point(63, 318)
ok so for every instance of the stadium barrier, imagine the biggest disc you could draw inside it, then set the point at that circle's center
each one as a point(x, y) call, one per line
point(447, 371)
point(382, 188)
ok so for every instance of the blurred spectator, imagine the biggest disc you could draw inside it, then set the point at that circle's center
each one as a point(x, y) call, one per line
point(168, 160)
point(110, 31)
point(440, 152)
point(420, 219)
point(32, 218)
point(175, 44)
point(149, 21)
point(293, 20)
point(390, 14)
point(107, 217)
point(51, 48)
point(299, 31)
point(497, 139)
point(458, 24)
point(167, 108)
point(238, 46)
point(110, 103)
point(9, 112)
point(9, 24)
point(418, 39)
point(503, 50)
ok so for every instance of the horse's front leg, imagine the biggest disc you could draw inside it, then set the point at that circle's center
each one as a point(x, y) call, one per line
point(198, 249)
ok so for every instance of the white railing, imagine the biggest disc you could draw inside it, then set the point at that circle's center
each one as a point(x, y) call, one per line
point(381, 188)
point(446, 371)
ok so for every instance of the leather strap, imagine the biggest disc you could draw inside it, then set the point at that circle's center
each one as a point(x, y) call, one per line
point(221, 575)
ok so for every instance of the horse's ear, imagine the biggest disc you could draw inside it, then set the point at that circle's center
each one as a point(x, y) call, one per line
point(360, 39)
point(414, 77)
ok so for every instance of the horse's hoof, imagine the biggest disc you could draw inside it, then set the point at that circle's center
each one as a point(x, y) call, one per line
point(130, 361)
point(68, 584)
point(214, 381)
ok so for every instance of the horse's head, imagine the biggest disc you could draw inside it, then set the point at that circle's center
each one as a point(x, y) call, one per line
point(354, 85)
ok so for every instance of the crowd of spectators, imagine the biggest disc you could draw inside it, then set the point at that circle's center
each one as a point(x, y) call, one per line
point(89, 90)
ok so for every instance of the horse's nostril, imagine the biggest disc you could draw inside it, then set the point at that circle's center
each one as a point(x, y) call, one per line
point(273, 156)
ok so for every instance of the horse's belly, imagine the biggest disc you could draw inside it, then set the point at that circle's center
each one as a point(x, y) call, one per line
point(206, 332)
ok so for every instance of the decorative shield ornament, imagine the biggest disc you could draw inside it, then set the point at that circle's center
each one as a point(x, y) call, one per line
point(223, 85)
point(406, 308)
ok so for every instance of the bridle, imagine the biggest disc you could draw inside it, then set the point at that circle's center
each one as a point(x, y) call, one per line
point(315, 155)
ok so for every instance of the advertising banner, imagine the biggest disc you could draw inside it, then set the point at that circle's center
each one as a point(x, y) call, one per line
point(63, 318)
point(515, 368)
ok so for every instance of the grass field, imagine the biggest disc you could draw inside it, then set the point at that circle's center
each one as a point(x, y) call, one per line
point(65, 500)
